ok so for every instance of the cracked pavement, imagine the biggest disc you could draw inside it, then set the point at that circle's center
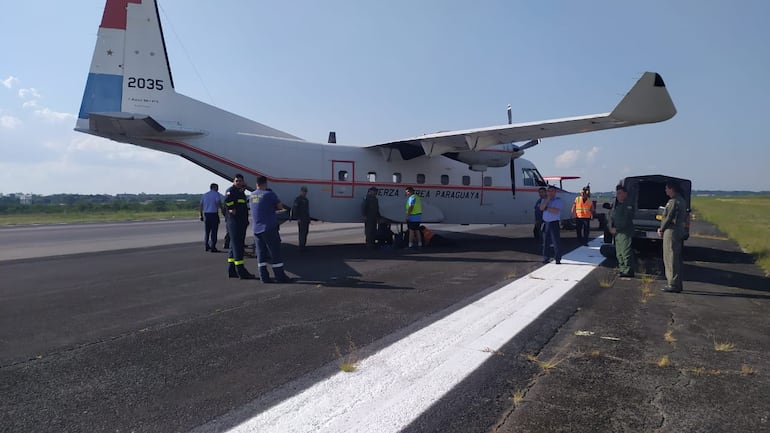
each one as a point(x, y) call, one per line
point(661, 372)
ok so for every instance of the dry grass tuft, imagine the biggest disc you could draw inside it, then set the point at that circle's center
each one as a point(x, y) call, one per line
point(349, 362)
point(663, 361)
point(723, 347)
point(647, 292)
point(669, 337)
point(747, 371)
point(607, 278)
point(518, 397)
point(545, 365)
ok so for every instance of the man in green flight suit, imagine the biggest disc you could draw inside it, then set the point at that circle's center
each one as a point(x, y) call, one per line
point(672, 229)
point(622, 226)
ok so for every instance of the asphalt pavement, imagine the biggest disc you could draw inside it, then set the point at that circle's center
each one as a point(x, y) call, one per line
point(156, 339)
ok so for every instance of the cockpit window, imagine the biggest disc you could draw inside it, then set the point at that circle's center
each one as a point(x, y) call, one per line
point(532, 177)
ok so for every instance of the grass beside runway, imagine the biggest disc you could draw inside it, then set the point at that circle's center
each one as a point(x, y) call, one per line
point(746, 220)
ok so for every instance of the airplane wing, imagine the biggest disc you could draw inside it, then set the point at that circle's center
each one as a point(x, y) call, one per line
point(647, 102)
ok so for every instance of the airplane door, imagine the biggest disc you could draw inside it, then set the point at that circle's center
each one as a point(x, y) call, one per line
point(343, 173)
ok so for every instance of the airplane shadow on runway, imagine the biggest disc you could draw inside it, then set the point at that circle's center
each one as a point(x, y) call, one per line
point(328, 265)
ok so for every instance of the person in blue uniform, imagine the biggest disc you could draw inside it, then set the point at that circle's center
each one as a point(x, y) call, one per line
point(237, 222)
point(210, 208)
point(551, 208)
point(264, 204)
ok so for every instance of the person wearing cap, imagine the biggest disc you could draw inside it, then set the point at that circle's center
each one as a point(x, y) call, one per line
point(551, 208)
point(583, 211)
point(300, 211)
point(622, 227)
point(370, 210)
point(264, 204)
point(672, 229)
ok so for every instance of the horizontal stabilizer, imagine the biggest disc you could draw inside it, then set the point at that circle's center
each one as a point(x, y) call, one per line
point(133, 125)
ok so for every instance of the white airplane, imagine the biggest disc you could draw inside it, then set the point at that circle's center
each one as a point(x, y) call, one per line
point(473, 176)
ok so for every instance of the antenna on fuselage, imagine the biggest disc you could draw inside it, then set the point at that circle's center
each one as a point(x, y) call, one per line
point(332, 137)
point(510, 118)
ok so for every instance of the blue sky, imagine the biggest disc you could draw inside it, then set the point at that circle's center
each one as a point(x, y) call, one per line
point(375, 71)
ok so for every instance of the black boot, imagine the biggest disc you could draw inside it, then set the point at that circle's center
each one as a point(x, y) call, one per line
point(231, 271)
point(243, 273)
point(264, 275)
point(280, 275)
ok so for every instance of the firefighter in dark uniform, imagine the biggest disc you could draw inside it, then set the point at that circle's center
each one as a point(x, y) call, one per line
point(237, 222)
point(622, 226)
point(672, 230)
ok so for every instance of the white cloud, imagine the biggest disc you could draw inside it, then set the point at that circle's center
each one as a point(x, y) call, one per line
point(567, 159)
point(591, 156)
point(32, 103)
point(9, 122)
point(53, 116)
point(10, 82)
point(571, 158)
point(29, 93)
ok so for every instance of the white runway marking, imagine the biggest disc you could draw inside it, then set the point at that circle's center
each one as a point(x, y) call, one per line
point(394, 386)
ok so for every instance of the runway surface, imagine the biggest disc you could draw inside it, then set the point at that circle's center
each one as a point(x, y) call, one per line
point(155, 338)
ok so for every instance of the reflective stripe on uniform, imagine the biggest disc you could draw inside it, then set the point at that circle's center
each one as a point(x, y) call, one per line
point(230, 260)
point(229, 203)
point(582, 209)
point(238, 262)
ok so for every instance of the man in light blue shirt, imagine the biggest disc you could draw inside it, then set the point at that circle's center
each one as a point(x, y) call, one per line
point(551, 208)
point(210, 207)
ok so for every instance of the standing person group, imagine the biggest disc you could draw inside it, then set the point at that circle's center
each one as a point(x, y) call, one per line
point(622, 227)
point(300, 211)
point(672, 229)
point(551, 208)
point(210, 207)
point(583, 212)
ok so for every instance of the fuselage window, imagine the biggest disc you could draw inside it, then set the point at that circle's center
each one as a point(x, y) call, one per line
point(466, 180)
point(487, 180)
point(342, 175)
point(371, 176)
point(396, 177)
point(445, 179)
point(420, 178)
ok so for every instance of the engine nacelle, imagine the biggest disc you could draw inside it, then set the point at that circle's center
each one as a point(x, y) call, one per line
point(496, 156)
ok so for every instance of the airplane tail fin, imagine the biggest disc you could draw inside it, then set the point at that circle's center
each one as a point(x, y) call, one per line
point(129, 69)
point(647, 102)
point(130, 92)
